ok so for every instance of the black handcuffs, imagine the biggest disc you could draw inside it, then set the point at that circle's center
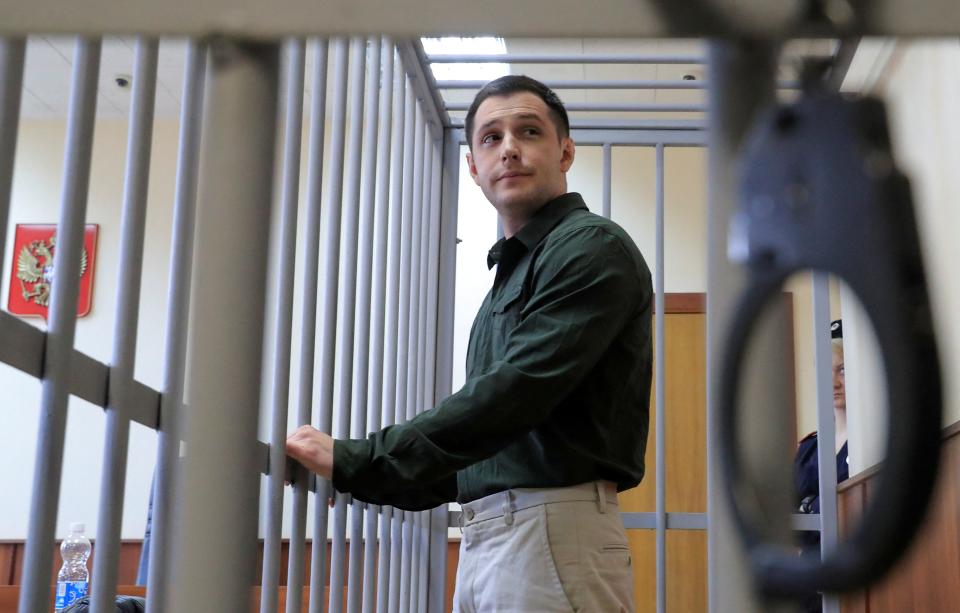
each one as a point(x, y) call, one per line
point(820, 191)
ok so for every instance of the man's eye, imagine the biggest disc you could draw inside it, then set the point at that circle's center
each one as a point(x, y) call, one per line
point(489, 138)
point(532, 131)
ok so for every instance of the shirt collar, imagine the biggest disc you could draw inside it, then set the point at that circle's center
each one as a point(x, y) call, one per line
point(532, 232)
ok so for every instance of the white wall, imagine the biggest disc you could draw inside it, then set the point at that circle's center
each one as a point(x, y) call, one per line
point(36, 199)
point(919, 81)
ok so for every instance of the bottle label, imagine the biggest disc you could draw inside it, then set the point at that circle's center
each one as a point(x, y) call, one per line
point(69, 592)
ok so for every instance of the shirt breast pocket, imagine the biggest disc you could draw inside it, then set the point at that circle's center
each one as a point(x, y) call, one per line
point(505, 312)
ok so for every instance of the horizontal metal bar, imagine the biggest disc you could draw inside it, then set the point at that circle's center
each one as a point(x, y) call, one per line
point(805, 521)
point(539, 18)
point(675, 521)
point(22, 346)
point(144, 405)
point(639, 521)
point(90, 380)
point(539, 58)
point(686, 521)
point(610, 108)
point(644, 137)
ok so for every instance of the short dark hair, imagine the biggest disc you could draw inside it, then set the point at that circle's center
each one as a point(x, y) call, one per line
point(514, 84)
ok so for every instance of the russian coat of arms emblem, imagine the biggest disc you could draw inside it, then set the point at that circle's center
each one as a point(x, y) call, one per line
point(34, 275)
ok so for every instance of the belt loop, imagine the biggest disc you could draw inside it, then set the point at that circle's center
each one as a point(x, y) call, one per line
point(601, 496)
point(508, 507)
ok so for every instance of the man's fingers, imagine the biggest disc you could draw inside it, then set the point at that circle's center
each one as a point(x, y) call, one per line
point(313, 449)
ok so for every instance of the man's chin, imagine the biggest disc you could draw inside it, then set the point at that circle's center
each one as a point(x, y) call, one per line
point(519, 201)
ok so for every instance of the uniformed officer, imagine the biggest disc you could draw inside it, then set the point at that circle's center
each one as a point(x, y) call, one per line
point(806, 466)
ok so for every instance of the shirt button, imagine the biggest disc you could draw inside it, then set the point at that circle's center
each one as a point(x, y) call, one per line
point(469, 514)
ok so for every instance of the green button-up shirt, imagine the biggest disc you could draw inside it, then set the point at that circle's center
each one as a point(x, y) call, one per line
point(558, 376)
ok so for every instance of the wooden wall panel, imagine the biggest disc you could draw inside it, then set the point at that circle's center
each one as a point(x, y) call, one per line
point(928, 578)
point(643, 551)
point(686, 396)
point(686, 570)
point(685, 457)
point(8, 560)
point(849, 508)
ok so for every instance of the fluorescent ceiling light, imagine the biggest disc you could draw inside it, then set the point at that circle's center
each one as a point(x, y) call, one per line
point(454, 45)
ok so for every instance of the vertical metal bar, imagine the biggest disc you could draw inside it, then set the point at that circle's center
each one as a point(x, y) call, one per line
point(413, 581)
point(226, 343)
point(826, 456)
point(433, 274)
point(446, 185)
point(38, 560)
point(439, 522)
point(133, 222)
point(383, 561)
point(741, 82)
point(421, 561)
point(429, 576)
point(425, 357)
point(423, 205)
point(661, 385)
point(423, 543)
point(607, 178)
point(362, 313)
point(400, 528)
point(416, 237)
point(423, 322)
point(178, 305)
point(431, 268)
point(347, 308)
point(388, 576)
point(407, 563)
point(308, 326)
point(400, 599)
point(331, 261)
point(286, 254)
point(12, 51)
point(376, 414)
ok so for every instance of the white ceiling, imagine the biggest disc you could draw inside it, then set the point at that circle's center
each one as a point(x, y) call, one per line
point(49, 60)
point(46, 77)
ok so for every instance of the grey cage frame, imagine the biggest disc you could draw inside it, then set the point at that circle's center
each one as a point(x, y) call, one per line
point(405, 196)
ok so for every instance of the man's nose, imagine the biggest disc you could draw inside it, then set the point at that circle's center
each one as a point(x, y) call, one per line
point(509, 148)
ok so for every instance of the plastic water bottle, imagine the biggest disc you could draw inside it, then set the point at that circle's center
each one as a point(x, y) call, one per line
point(73, 578)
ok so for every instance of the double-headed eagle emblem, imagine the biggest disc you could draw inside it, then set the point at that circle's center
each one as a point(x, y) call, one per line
point(35, 269)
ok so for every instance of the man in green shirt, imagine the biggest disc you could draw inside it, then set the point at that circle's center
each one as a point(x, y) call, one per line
point(552, 420)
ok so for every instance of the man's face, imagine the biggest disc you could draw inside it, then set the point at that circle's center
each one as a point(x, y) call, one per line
point(839, 380)
point(518, 158)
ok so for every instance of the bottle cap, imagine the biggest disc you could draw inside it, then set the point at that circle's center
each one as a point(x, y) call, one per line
point(77, 527)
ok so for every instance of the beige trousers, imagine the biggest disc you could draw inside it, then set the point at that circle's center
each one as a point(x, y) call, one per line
point(545, 550)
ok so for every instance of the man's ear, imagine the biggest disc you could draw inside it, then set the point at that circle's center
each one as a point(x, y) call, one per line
point(567, 152)
point(472, 168)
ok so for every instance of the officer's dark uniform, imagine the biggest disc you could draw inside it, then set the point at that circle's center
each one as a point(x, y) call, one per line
point(807, 473)
point(807, 478)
